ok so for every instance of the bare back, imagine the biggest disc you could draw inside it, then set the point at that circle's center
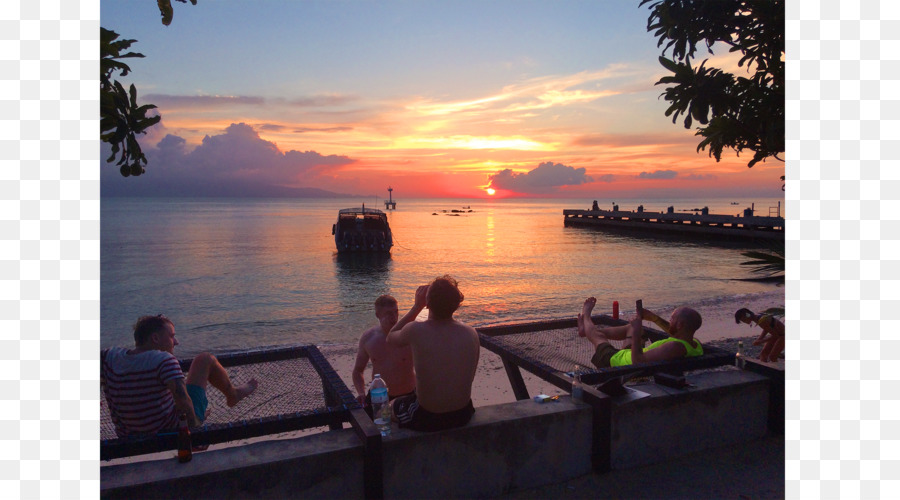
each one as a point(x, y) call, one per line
point(393, 363)
point(446, 355)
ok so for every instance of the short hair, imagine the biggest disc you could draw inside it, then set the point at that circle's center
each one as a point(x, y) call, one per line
point(146, 326)
point(384, 301)
point(691, 318)
point(444, 297)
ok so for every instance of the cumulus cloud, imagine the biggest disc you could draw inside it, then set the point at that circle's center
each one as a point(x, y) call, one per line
point(235, 163)
point(546, 178)
point(658, 174)
point(606, 178)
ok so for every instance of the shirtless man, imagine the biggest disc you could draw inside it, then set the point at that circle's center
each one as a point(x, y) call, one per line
point(145, 388)
point(681, 343)
point(445, 354)
point(393, 363)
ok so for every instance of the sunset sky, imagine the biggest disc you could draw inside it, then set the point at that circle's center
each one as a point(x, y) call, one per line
point(436, 99)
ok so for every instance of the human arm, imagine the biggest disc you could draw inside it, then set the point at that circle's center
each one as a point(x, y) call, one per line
point(182, 400)
point(668, 350)
point(772, 337)
point(400, 336)
point(359, 368)
point(652, 316)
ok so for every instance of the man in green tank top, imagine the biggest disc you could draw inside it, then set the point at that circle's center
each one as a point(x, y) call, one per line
point(681, 343)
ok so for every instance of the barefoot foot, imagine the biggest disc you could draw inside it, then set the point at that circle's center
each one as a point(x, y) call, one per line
point(241, 392)
point(589, 304)
point(581, 325)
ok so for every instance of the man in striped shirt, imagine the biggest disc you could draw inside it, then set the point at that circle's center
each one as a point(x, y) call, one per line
point(145, 388)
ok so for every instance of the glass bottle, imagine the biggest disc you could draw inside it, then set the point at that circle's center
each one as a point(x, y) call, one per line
point(184, 440)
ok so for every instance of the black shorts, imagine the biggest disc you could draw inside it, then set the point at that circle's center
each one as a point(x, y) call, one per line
point(368, 404)
point(412, 416)
point(605, 352)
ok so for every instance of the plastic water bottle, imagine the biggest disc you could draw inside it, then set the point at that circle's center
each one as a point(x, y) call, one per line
point(577, 387)
point(381, 406)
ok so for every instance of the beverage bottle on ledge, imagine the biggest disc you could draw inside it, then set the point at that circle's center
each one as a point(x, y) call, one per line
point(381, 406)
point(739, 357)
point(577, 387)
point(184, 440)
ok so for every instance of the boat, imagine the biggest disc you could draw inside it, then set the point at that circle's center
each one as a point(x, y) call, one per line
point(364, 230)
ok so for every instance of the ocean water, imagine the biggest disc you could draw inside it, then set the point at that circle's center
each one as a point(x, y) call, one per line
point(245, 273)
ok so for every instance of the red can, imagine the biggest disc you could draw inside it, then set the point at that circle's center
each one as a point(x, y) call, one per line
point(615, 309)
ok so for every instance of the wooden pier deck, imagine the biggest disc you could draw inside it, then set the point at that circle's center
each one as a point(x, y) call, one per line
point(680, 224)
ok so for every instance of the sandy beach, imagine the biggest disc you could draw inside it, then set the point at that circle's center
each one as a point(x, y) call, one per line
point(492, 386)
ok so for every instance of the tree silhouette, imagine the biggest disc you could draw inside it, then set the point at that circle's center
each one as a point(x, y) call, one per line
point(735, 112)
point(121, 119)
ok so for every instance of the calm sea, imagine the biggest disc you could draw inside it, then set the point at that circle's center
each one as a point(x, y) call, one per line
point(245, 273)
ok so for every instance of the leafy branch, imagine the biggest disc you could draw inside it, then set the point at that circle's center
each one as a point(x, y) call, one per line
point(738, 113)
point(121, 119)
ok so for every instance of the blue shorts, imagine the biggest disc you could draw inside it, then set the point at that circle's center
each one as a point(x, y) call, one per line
point(198, 396)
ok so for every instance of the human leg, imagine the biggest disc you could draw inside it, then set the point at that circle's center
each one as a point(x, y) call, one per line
point(205, 368)
point(586, 324)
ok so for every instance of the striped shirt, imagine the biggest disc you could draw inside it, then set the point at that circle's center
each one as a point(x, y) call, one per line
point(136, 392)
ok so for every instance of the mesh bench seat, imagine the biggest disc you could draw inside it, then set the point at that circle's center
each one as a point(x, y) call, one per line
point(550, 349)
point(298, 389)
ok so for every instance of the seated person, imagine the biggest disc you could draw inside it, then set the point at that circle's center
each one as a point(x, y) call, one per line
point(393, 363)
point(772, 335)
point(445, 355)
point(145, 388)
point(681, 327)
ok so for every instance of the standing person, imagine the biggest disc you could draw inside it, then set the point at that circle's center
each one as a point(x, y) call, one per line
point(445, 354)
point(393, 363)
point(772, 335)
point(145, 388)
point(681, 327)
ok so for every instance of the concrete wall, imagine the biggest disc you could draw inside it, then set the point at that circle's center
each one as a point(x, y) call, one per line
point(505, 447)
point(326, 465)
point(722, 408)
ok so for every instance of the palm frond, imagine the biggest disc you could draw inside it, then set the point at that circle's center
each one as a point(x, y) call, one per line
point(770, 264)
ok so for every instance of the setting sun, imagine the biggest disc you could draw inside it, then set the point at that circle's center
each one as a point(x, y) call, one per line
point(491, 191)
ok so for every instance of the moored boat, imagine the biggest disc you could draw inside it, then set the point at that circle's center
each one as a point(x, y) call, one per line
point(362, 230)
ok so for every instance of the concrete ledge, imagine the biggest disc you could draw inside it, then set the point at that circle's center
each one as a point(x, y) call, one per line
point(326, 465)
point(723, 408)
point(504, 448)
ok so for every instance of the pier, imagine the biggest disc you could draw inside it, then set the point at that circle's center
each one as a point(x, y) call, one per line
point(701, 224)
